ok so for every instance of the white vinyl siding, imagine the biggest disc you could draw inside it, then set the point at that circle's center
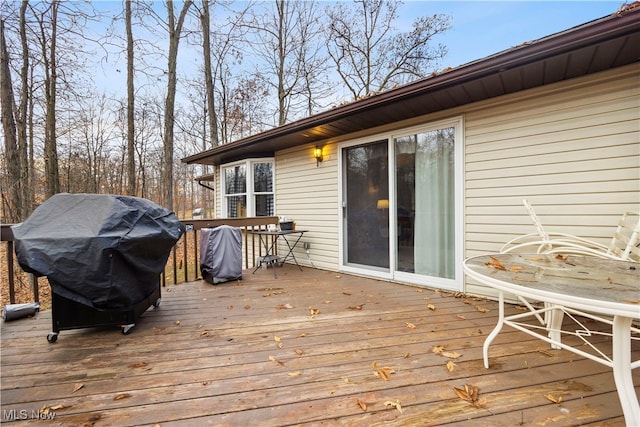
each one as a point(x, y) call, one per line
point(309, 194)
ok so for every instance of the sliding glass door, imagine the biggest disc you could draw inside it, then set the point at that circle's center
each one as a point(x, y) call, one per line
point(400, 197)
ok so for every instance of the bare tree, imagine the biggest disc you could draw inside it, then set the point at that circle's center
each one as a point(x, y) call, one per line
point(131, 159)
point(284, 42)
point(175, 31)
point(205, 21)
point(228, 47)
point(24, 154)
point(371, 56)
point(48, 23)
point(11, 193)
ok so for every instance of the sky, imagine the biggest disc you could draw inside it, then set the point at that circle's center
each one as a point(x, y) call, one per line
point(479, 28)
point(482, 28)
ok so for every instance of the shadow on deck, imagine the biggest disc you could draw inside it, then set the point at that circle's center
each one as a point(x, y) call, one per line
point(300, 350)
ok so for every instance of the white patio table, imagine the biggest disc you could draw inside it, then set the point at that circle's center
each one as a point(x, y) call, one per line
point(601, 289)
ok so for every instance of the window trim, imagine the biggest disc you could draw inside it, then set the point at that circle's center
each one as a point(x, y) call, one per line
point(249, 193)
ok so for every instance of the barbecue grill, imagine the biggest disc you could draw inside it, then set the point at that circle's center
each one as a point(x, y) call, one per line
point(102, 255)
point(221, 254)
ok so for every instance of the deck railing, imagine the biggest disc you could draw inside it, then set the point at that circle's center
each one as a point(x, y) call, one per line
point(182, 266)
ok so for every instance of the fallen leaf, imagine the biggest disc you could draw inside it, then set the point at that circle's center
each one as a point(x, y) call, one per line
point(450, 354)
point(451, 366)
point(438, 349)
point(326, 302)
point(550, 397)
point(122, 396)
point(280, 344)
point(516, 268)
point(383, 372)
point(407, 355)
point(562, 257)
point(302, 335)
point(395, 404)
point(361, 404)
point(356, 307)
point(77, 387)
point(469, 393)
point(313, 311)
point(346, 380)
point(495, 263)
point(272, 358)
point(431, 307)
point(295, 374)
point(298, 352)
point(461, 317)
point(177, 322)
point(47, 409)
point(482, 309)
point(410, 325)
point(276, 338)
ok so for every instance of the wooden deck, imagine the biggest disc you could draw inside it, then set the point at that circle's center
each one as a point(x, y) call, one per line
point(300, 350)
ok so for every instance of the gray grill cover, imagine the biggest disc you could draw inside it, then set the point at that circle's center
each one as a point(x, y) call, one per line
point(103, 251)
point(221, 254)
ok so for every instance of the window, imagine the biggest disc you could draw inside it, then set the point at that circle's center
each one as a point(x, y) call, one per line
point(248, 194)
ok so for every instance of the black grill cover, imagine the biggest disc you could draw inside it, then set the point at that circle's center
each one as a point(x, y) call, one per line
point(103, 251)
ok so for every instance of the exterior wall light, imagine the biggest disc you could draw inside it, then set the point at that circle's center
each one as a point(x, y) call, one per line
point(317, 153)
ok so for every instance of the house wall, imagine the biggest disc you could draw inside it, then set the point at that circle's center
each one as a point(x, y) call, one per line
point(308, 193)
point(572, 149)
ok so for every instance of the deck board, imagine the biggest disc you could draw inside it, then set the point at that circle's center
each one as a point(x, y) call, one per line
point(300, 350)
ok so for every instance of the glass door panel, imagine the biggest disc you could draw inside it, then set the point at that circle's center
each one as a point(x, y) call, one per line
point(425, 203)
point(367, 205)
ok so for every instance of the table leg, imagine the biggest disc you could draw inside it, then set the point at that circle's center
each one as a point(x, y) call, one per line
point(495, 331)
point(622, 370)
point(269, 254)
point(291, 247)
point(260, 244)
point(554, 327)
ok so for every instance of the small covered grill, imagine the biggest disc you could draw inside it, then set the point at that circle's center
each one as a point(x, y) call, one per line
point(102, 254)
point(221, 254)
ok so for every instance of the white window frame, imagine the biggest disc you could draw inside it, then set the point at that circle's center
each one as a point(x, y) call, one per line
point(249, 194)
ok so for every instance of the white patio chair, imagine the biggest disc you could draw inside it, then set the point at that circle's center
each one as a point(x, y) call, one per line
point(623, 246)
